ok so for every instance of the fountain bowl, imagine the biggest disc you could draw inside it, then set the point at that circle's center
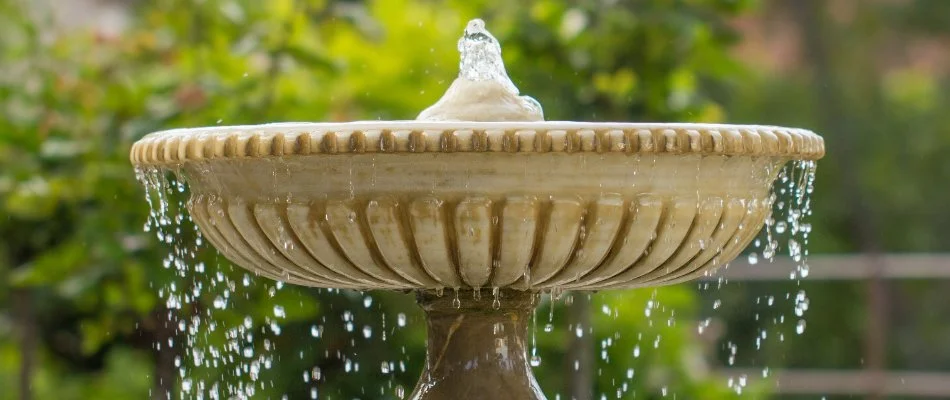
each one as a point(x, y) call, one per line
point(527, 206)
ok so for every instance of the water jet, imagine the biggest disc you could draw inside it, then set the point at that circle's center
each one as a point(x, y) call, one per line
point(477, 206)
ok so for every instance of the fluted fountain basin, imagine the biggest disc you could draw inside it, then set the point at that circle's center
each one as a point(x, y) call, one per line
point(469, 205)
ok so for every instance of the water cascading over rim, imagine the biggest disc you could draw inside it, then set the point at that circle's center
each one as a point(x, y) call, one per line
point(484, 198)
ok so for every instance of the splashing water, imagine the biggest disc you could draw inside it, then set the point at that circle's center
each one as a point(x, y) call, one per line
point(223, 349)
point(483, 90)
point(480, 56)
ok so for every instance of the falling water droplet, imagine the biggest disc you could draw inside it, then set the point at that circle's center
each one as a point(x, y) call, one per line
point(780, 227)
point(401, 320)
point(535, 360)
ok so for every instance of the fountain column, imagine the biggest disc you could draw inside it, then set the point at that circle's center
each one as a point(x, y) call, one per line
point(477, 347)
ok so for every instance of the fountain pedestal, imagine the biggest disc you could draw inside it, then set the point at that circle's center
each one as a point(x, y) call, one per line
point(477, 347)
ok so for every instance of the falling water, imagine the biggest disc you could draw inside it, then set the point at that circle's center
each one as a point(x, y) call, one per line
point(200, 299)
point(230, 324)
point(786, 234)
point(779, 316)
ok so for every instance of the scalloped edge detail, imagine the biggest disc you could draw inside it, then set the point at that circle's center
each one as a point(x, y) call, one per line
point(180, 146)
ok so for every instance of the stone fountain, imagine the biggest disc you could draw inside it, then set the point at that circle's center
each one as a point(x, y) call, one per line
point(477, 206)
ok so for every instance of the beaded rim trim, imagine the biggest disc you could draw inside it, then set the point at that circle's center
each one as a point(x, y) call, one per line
point(180, 146)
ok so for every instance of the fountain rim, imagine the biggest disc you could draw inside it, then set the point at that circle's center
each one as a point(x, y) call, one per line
point(181, 146)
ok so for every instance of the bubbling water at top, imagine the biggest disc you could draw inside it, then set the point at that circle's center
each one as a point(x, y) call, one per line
point(483, 91)
point(480, 56)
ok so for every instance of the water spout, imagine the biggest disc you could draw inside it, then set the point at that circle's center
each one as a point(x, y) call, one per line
point(483, 91)
point(480, 57)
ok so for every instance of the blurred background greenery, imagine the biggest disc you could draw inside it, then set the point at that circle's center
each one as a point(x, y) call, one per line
point(80, 80)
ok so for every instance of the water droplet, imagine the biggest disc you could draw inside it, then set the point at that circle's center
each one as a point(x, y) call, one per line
point(316, 373)
point(535, 360)
point(401, 320)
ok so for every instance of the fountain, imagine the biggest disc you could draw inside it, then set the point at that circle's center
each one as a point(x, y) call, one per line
point(477, 206)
